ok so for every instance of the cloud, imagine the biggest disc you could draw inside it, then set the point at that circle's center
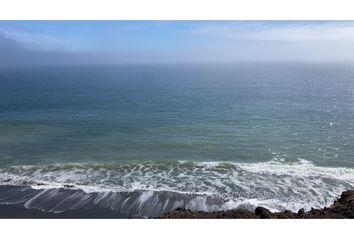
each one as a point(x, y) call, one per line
point(216, 41)
point(281, 41)
point(42, 41)
point(14, 53)
point(291, 32)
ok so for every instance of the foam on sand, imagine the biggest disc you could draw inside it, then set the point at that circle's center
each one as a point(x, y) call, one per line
point(150, 188)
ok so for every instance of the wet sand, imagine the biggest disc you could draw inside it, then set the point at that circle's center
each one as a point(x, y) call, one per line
point(342, 208)
point(20, 212)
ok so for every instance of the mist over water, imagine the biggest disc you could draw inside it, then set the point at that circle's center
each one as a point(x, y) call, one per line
point(207, 137)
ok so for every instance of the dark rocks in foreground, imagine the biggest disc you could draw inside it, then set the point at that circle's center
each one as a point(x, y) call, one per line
point(341, 208)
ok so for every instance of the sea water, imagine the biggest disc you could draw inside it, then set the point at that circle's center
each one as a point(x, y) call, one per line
point(145, 139)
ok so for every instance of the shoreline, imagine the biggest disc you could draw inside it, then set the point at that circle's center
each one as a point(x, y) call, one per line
point(342, 208)
point(20, 212)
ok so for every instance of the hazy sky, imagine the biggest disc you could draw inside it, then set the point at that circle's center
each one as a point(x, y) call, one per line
point(110, 42)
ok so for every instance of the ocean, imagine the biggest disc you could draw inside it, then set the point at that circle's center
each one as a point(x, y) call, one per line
point(141, 140)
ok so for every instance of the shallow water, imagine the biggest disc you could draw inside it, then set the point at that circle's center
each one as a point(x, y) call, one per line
point(206, 137)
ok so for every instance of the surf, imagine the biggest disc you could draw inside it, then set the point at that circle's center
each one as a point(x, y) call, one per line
point(150, 188)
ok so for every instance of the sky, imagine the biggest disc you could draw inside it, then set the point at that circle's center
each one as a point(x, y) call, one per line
point(115, 42)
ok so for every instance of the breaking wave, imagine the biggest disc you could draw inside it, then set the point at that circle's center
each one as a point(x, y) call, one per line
point(145, 189)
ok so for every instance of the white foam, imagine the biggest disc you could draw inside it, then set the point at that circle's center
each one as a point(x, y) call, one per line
point(274, 184)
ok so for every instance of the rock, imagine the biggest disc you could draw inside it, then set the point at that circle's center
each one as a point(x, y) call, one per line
point(347, 196)
point(301, 212)
point(263, 212)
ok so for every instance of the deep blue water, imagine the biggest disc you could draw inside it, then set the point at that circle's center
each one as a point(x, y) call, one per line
point(278, 135)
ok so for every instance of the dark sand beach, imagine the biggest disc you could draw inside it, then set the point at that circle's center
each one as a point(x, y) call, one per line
point(20, 212)
point(342, 208)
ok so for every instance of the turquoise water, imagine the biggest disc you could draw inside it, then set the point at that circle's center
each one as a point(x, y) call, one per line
point(278, 135)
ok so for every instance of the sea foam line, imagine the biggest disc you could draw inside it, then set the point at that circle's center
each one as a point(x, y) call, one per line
point(275, 184)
